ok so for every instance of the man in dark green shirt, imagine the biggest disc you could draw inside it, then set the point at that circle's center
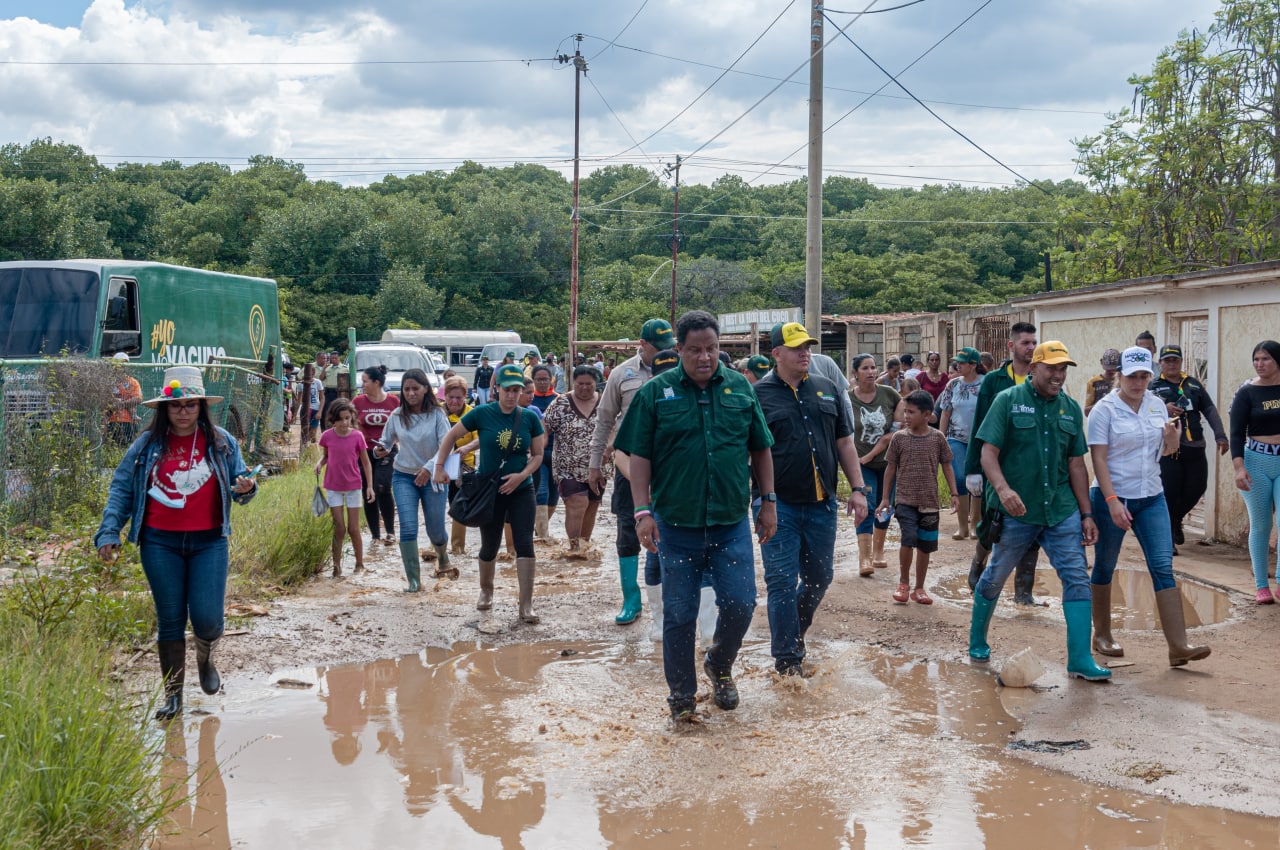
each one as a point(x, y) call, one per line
point(1033, 458)
point(690, 433)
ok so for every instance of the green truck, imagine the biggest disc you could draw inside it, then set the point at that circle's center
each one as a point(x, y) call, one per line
point(157, 314)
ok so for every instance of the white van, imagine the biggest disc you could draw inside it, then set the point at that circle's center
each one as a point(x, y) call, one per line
point(399, 358)
point(458, 350)
point(496, 351)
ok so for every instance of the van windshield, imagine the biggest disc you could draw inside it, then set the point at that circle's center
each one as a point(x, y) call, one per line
point(496, 351)
point(45, 311)
point(395, 361)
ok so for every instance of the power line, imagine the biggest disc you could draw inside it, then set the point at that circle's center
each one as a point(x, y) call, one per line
point(625, 27)
point(264, 63)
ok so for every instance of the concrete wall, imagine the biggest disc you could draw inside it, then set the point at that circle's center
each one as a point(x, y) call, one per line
point(1086, 339)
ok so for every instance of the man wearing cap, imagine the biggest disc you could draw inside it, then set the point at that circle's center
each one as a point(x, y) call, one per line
point(1185, 473)
point(483, 381)
point(1012, 372)
point(757, 367)
point(531, 359)
point(690, 433)
point(122, 419)
point(655, 335)
point(1100, 385)
point(812, 440)
point(1033, 447)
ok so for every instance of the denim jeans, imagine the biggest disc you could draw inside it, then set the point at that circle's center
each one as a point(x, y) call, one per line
point(874, 478)
point(1151, 526)
point(959, 452)
point(548, 492)
point(434, 505)
point(797, 571)
point(1061, 542)
point(187, 572)
point(727, 552)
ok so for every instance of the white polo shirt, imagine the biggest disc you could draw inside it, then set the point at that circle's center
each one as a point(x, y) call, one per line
point(1134, 442)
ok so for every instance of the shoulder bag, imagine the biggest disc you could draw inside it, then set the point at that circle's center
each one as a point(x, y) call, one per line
point(472, 506)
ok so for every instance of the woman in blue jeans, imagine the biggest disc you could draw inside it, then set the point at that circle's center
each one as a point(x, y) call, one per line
point(418, 429)
point(1129, 431)
point(175, 487)
point(876, 408)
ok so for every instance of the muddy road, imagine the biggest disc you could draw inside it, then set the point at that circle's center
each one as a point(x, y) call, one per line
point(357, 715)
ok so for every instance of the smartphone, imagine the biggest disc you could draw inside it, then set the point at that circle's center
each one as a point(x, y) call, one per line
point(253, 473)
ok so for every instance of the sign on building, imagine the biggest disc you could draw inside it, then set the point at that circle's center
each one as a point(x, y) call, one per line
point(738, 323)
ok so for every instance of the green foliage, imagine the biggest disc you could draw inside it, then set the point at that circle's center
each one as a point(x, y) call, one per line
point(80, 769)
point(275, 541)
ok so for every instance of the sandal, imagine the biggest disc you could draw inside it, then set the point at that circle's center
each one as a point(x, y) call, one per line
point(919, 595)
point(900, 595)
point(960, 535)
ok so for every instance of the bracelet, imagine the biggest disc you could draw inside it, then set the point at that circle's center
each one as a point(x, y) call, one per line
point(643, 508)
point(642, 514)
point(1112, 496)
point(1084, 517)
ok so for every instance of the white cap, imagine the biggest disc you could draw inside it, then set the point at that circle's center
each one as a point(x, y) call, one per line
point(120, 355)
point(1135, 359)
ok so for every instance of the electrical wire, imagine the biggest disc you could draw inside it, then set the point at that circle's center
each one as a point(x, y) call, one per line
point(614, 40)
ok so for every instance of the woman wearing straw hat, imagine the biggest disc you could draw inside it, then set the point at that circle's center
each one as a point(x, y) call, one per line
point(175, 487)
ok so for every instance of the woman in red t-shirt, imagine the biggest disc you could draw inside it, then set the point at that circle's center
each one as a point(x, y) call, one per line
point(373, 406)
point(175, 487)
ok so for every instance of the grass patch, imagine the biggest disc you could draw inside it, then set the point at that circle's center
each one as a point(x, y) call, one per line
point(79, 769)
point(275, 541)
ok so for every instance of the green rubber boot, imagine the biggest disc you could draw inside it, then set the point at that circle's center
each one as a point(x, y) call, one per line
point(412, 567)
point(1080, 663)
point(983, 607)
point(628, 570)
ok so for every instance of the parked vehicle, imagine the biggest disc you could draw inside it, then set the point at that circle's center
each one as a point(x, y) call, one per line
point(398, 357)
point(458, 350)
point(497, 351)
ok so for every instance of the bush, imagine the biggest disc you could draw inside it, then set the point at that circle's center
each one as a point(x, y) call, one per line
point(79, 770)
point(274, 539)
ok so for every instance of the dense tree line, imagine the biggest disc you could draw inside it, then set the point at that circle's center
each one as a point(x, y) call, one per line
point(1185, 180)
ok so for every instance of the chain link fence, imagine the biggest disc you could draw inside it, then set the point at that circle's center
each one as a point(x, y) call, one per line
point(65, 423)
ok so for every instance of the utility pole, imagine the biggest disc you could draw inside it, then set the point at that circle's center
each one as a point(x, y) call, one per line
point(675, 235)
point(579, 68)
point(813, 219)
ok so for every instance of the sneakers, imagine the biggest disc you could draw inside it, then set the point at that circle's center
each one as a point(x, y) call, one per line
point(1264, 596)
point(792, 669)
point(724, 691)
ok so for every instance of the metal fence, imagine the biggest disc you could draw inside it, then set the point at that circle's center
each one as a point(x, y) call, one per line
point(57, 430)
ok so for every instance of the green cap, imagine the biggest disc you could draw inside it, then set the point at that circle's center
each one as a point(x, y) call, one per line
point(664, 360)
point(658, 333)
point(510, 375)
point(968, 355)
point(759, 365)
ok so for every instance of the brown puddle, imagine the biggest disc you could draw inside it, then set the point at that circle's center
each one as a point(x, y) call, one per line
point(1133, 602)
point(542, 746)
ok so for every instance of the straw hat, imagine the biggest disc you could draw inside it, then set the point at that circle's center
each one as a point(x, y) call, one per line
point(181, 382)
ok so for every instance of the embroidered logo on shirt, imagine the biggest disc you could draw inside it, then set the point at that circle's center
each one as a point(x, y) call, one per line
point(1022, 408)
point(668, 392)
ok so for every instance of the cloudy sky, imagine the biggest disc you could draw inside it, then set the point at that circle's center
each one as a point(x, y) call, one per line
point(355, 91)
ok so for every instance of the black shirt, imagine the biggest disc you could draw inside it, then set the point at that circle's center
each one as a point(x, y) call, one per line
point(484, 376)
point(805, 422)
point(1195, 400)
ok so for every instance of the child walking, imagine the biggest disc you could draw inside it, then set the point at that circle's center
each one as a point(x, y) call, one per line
point(342, 451)
point(914, 455)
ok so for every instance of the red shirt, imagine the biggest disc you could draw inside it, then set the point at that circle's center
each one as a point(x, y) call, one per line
point(342, 465)
point(185, 471)
point(372, 416)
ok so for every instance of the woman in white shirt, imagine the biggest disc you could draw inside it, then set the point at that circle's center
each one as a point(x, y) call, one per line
point(956, 407)
point(1129, 430)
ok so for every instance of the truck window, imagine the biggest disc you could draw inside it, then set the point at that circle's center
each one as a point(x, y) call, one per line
point(45, 311)
point(120, 330)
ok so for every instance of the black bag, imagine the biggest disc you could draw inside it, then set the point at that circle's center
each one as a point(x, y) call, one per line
point(472, 505)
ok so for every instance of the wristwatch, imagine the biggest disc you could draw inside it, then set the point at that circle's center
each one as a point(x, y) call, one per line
point(865, 490)
point(770, 497)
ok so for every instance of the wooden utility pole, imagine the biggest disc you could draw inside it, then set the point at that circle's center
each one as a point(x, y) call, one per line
point(813, 221)
point(579, 68)
point(675, 235)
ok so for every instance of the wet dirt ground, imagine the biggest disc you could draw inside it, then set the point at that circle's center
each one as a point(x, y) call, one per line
point(356, 715)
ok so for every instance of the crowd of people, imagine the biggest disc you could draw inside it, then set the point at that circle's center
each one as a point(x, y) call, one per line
point(701, 455)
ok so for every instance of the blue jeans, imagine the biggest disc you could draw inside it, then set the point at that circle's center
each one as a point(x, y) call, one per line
point(482, 396)
point(187, 572)
point(548, 492)
point(726, 552)
point(434, 505)
point(1152, 528)
point(797, 571)
point(874, 478)
point(958, 452)
point(1061, 542)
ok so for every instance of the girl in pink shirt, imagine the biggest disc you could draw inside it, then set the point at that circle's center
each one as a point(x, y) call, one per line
point(342, 451)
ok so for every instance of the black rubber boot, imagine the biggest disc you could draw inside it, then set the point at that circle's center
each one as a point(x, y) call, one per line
point(173, 662)
point(1024, 577)
point(210, 681)
point(977, 565)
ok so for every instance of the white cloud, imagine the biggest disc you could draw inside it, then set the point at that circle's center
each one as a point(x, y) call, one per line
point(1066, 56)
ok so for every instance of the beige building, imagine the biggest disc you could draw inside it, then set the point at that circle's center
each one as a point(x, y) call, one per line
point(1217, 317)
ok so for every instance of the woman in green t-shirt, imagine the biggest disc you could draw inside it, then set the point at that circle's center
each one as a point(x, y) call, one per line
point(505, 429)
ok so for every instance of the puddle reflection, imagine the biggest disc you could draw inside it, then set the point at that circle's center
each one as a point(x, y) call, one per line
point(540, 746)
point(1133, 602)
